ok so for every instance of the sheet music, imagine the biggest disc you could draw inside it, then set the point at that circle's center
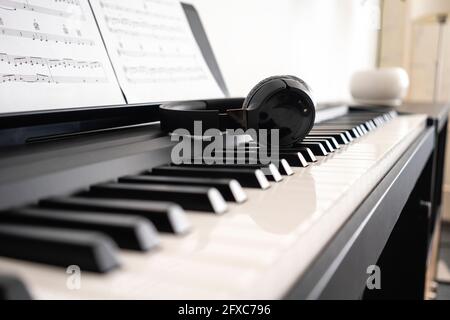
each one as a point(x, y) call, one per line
point(153, 50)
point(52, 57)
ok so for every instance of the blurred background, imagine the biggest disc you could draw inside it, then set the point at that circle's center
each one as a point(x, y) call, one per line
point(325, 42)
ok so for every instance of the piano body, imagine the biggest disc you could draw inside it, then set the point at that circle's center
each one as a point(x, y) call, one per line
point(362, 190)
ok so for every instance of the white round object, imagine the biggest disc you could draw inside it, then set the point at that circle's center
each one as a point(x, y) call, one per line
point(386, 86)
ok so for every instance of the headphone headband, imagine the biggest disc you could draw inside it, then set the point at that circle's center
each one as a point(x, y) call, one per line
point(282, 102)
point(214, 114)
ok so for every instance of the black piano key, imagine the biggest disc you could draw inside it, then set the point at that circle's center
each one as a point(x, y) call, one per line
point(230, 189)
point(355, 133)
point(375, 123)
point(129, 232)
point(91, 251)
point(346, 122)
point(342, 126)
point(295, 159)
point(249, 178)
point(372, 125)
point(339, 137)
point(368, 126)
point(361, 130)
point(316, 148)
point(365, 127)
point(358, 130)
point(285, 168)
point(188, 197)
point(13, 288)
point(244, 159)
point(325, 143)
point(346, 133)
point(334, 143)
point(250, 157)
point(307, 154)
point(243, 153)
point(271, 171)
point(379, 121)
point(166, 216)
point(351, 130)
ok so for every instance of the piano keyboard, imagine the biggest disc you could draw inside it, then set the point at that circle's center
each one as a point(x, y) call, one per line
point(201, 232)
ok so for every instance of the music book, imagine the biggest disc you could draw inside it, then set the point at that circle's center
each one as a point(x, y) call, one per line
point(58, 54)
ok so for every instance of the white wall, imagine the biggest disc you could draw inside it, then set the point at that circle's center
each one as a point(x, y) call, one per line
point(322, 41)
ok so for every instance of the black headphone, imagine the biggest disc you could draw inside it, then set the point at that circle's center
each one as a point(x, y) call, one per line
point(279, 102)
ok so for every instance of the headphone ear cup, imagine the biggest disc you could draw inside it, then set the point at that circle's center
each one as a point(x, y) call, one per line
point(264, 81)
point(301, 81)
point(281, 102)
point(258, 86)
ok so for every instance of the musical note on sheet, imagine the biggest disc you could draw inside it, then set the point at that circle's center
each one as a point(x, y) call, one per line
point(164, 74)
point(53, 51)
point(44, 78)
point(39, 36)
point(61, 8)
point(48, 70)
point(153, 50)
